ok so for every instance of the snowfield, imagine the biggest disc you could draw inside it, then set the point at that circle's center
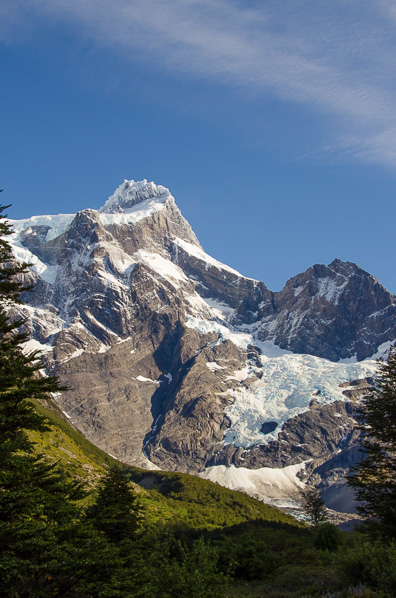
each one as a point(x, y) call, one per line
point(272, 485)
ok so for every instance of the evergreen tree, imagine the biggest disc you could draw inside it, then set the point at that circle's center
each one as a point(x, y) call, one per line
point(10, 271)
point(115, 511)
point(374, 477)
point(45, 548)
point(20, 380)
point(313, 505)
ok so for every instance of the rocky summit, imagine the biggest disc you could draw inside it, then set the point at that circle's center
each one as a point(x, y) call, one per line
point(179, 362)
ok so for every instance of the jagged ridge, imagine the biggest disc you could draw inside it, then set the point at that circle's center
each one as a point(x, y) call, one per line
point(175, 357)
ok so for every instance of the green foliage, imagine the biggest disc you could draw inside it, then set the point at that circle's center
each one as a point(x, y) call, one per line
point(313, 505)
point(60, 432)
point(328, 536)
point(371, 564)
point(115, 510)
point(248, 557)
point(374, 477)
point(201, 504)
point(20, 379)
point(174, 569)
point(45, 547)
point(10, 271)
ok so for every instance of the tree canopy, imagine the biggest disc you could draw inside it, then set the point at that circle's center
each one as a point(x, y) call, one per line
point(313, 505)
point(115, 511)
point(20, 379)
point(374, 477)
point(46, 548)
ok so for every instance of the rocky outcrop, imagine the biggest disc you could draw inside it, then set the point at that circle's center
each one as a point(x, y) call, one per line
point(191, 427)
point(336, 311)
point(316, 434)
point(164, 348)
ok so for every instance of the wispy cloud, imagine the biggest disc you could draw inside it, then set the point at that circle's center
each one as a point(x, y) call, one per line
point(337, 60)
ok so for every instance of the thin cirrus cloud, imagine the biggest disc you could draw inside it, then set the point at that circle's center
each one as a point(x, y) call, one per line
point(337, 60)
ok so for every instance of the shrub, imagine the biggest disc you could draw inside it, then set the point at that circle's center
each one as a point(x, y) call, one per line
point(170, 568)
point(248, 558)
point(371, 564)
point(328, 536)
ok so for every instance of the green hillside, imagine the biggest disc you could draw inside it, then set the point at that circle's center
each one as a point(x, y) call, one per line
point(63, 444)
point(197, 539)
point(177, 499)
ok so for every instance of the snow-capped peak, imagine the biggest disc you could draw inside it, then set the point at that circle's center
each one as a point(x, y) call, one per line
point(131, 193)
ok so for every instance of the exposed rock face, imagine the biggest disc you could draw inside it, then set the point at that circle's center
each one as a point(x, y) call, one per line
point(176, 359)
point(319, 432)
point(340, 310)
point(191, 426)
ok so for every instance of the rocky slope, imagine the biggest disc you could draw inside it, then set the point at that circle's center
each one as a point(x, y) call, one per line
point(177, 361)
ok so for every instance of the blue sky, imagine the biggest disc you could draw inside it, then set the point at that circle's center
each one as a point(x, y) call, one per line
point(272, 123)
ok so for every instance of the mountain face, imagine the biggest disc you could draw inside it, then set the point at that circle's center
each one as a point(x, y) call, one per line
point(174, 360)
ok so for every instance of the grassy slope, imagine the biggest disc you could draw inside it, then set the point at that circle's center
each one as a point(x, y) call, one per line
point(63, 444)
point(182, 500)
point(276, 548)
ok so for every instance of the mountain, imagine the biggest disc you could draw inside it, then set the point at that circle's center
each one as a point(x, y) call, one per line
point(176, 361)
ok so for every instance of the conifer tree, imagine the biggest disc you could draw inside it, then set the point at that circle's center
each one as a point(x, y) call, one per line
point(313, 505)
point(374, 477)
point(20, 380)
point(10, 283)
point(45, 548)
point(115, 511)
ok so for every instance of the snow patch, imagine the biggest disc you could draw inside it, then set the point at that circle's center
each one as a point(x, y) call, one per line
point(220, 310)
point(47, 273)
point(213, 366)
point(382, 351)
point(143, 379)
point(269, 349)
point(201, 255)
point(103, 349)
point(239, 339)
point(265, 483)
point(75, 353)
point(34, 345)
point(240, 375)
point(133, 215)
point(200, 308)
point(133, 193)
point(330, 290)
point(163, 267)
point(57, 224)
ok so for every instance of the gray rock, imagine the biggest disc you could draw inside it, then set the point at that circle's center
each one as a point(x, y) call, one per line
point(115, 325)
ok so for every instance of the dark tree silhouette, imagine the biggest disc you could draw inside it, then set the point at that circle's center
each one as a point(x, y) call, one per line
point(115, 511)
point(45, 547)
point(313, 505)
point(374, 477)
